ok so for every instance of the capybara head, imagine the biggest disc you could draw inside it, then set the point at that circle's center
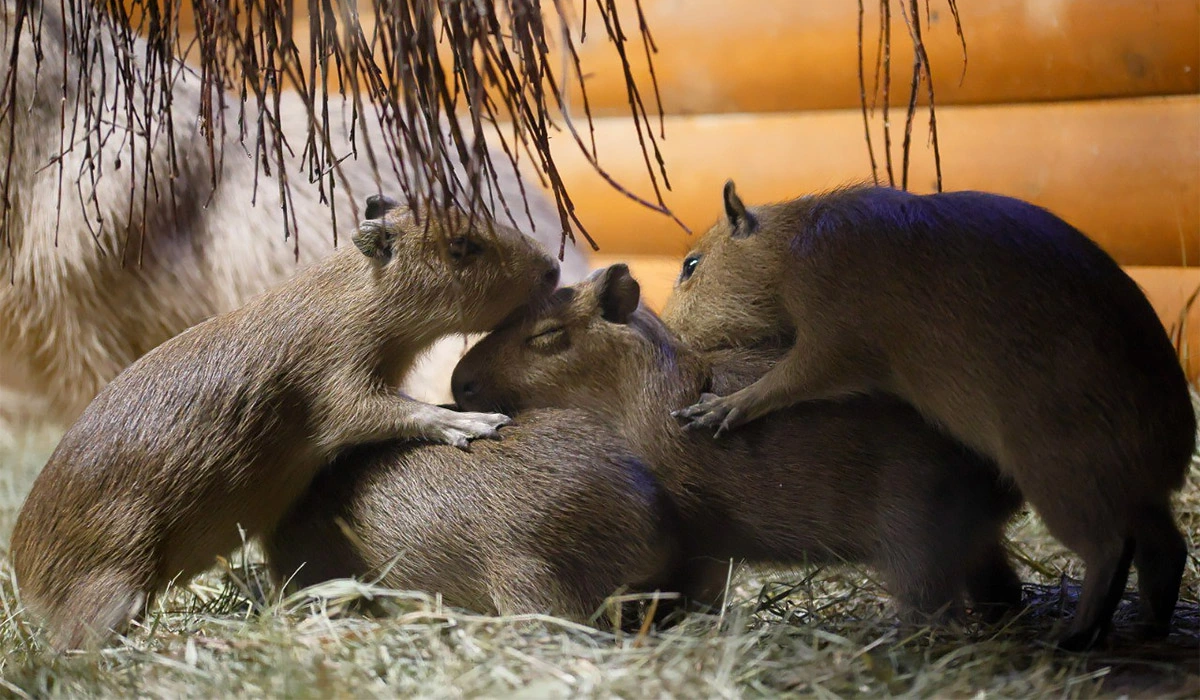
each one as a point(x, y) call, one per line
point(487, 271)
point(724, 296)
point(569, 352)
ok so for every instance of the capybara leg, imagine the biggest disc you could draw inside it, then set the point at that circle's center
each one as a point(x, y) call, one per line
point(531, 587)
point(93, 611)
point(993, 584)
point(805, 373)
point(1160, 555)
point(1103, 584)
point(377, 417)
point(928, 600)
point(701, 582)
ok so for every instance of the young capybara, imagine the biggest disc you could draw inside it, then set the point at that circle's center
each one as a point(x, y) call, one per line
point(553, 519)
point(227, 423)
point(78, 306)
point(995, 319)
point(864, 480)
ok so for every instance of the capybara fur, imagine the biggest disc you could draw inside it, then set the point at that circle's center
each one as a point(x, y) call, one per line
point(1000, 323)
point(77, 307)
point(226, 424)
point(863, 481)
point(553, 519)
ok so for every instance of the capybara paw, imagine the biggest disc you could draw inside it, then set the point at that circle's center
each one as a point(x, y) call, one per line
point(721, 413)
point(460, 428)
point(1083, 640)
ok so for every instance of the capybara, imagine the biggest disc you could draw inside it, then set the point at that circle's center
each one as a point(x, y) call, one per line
point(226, 424)
point(864, 480)
point(77, 307)
point(999, 322)
point(553, 519)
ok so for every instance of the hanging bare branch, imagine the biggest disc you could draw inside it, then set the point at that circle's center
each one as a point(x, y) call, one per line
point(439, 76)
point(921, 73)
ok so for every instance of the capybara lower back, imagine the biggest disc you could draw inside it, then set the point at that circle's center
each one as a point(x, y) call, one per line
point(995, 319)
point(867, 481)
point(553, 519)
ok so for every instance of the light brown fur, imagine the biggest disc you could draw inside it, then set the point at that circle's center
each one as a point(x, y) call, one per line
point(226, 423)
point(553, 519)
point(858, 481)
point(996, 320)
point(77, 310)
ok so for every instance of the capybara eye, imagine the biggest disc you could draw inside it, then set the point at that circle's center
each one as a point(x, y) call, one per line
point(461, 247)
point(545, 338)
point(689, 266)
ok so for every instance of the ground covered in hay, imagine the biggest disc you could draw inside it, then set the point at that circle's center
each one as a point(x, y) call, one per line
point(818, 632)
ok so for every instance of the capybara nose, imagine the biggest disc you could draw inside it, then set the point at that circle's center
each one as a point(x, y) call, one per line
point(463, 387)
point(550, 277)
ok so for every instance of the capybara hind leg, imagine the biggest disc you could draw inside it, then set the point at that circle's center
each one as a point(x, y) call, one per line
point(992, 584)
point(1160, 555)
point(534, 588)
point(929, 601)
point(93, 612)
point(702, 582)
point(1107, 570)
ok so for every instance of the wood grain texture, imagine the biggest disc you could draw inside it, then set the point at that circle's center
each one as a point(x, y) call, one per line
point(1126, 172)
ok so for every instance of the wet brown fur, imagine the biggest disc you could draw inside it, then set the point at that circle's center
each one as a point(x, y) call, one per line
point(994, 318)
point(227, 423)
point(865, 480)
point(553, 519)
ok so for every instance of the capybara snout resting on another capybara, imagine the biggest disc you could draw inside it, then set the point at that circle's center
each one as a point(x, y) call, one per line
point(227, 423)
point(866, 480)
point(994, 318)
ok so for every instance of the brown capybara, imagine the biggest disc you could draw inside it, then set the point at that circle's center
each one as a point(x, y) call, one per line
point(999, 322)
point(227, 423)
point(553, 519)
point(77, 307)
point(864, 480)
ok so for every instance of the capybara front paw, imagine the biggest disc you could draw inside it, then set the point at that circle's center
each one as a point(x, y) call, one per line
point(459, 428)
point(721, 413)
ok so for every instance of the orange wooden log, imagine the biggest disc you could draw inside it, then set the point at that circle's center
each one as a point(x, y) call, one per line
point(794, 55)
point(1170, 290)
point(1126, 172)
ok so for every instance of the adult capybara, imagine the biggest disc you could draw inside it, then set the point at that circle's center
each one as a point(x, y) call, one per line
point(998, 321)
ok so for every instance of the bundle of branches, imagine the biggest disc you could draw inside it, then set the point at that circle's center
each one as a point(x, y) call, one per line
point(494, 82)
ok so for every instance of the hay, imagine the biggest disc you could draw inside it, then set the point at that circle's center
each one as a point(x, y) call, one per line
point(817, 632)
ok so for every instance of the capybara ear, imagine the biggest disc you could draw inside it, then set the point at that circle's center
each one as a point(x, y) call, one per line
point(619, 294)
point(741, 221)
point(378, 205)
point(373, 240)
